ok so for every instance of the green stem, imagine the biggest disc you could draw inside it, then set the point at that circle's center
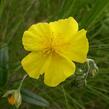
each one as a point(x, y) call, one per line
point(22, 81)
point(65, 96)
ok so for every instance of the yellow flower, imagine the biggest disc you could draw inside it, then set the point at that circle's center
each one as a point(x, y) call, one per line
point(53, 47)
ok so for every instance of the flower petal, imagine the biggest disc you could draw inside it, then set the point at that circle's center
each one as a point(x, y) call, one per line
point(58, 70)
point(64, 27)
point(77, 47)
point(35, 36)
point(34, 63)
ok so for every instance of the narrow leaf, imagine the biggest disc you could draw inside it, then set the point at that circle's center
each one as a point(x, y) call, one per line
point(3, 65)
point(94, 13)
point(33, 98)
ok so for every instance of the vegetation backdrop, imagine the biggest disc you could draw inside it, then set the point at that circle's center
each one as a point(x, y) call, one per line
point(16, 16)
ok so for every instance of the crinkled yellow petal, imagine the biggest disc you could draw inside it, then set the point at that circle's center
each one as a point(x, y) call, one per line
point(64, 27)
point(34, 64)
point(53, 47)
point(77, 47)
point(58, 70)
point(34, 38)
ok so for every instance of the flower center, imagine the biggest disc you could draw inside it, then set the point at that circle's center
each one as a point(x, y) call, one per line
point(49, 47)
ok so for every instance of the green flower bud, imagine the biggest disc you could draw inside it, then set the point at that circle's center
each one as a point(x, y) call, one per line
point(14, 97)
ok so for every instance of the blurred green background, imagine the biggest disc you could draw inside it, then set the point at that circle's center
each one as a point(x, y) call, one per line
point(17, 15)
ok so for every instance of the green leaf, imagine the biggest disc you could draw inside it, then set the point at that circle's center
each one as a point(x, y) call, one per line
point(2, 6)
point(3, 65)
point(32, 98)
point(95, 13)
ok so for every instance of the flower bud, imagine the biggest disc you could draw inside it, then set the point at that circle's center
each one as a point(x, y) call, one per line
point(92, 67)
point(14, 97)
